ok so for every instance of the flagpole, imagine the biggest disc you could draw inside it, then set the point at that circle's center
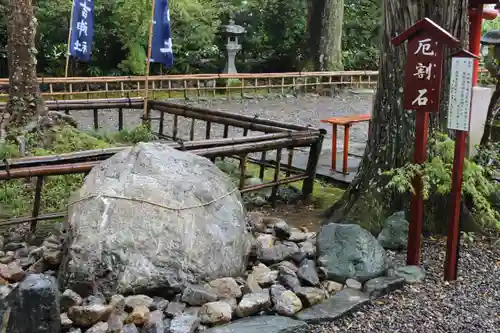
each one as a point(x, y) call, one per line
point(148, 64)
point(69, 37)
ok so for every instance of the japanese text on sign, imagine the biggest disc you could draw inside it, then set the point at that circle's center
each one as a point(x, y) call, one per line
point(423, 70)
point(82, 29)
point(460, 93)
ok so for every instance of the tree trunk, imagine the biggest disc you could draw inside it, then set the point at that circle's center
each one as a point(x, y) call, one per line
point(325, 34)
point(491, 115)
point(367, 201)
point(24, 102)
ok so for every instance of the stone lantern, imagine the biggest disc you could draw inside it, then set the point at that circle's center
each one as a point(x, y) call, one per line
point(231, 31)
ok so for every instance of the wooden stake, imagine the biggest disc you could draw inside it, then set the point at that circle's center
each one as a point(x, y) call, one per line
point(148, 64)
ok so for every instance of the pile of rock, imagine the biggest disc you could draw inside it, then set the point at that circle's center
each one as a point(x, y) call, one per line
point(150, 247)
point(294, 278)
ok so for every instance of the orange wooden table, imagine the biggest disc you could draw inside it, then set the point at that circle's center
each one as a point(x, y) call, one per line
point(347, 123)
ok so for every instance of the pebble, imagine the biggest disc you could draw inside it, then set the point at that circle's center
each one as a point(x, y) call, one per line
point(138, 315)
point(88, 315)
point(69, 298)
point(138, 300)
point(184, 324)
point(354, 284)
point(307, 273)
point(174, 309)
point(226, 288)
point(12, 272)
point(253, 303)
point(215, 313)
point(198, 295)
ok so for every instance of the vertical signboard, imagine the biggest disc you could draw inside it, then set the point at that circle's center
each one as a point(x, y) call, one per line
point(459, 106)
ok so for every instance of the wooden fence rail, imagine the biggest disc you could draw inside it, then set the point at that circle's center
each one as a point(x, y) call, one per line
point(200, 85)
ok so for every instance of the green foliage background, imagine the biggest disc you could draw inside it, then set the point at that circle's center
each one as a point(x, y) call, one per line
point(277, 31)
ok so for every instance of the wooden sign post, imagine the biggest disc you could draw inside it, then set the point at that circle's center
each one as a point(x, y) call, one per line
point(462, 72)
point(422, 90)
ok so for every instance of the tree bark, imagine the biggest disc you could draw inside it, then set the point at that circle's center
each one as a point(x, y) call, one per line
point(493, 108)
point(24, 102)
point(392, 135)
point(325, 22)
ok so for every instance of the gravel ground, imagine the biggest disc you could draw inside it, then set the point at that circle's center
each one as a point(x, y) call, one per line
point(304, 110)
point(472, 304)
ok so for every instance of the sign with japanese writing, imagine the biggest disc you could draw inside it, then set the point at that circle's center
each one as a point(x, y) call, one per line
point(423, 73)
point(459, 106)
point(82, 29)
point(161, 46)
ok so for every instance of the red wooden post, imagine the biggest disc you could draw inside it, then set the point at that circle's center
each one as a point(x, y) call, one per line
point(334, 147)
point(461, 81)
point(422, 90)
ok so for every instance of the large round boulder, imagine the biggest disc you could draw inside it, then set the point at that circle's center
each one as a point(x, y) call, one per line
point(349, 251)
point(152, 218)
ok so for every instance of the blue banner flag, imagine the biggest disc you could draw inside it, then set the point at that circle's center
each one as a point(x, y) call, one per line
point(161, 46)
point(82, 29)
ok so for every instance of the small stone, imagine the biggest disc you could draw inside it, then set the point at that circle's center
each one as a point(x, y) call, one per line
point(70, 298)
point(251, 286)
point(174, 309)
point(332, 287)
point(138, 300)
point(281, 229)
point(7, 259)
point(160, 303)
point(411, 274)
point(278, 253)
point(265, 277)
point(138, 315)
point(297, 236)
point(226, 288)
point(288, 278)
point(253, 303)
point(308, 248)
point(255, 220)
point(75, 330)
point(215, 313)
point(88, 315)
point(394, 235)
point(12, 272)
point(94, 299)
point(383, 285)
point(287, 303)
point(290, 265)
point(154, 323)
point(100, 327)
point(307, 273)
point(353, 284)
point(12, 246)
point(198, 295)
point(117, 302)
point(3, 282)
point(184, 324)
point(26, 262)
point(265, 241)
point(115, 323)
point(65, 321)
point(130, 328)
point(310, 296)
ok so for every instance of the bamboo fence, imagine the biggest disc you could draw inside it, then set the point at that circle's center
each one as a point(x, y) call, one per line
point(200, 85)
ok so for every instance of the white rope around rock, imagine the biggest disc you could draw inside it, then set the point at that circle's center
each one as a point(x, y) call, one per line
point(111, 196)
